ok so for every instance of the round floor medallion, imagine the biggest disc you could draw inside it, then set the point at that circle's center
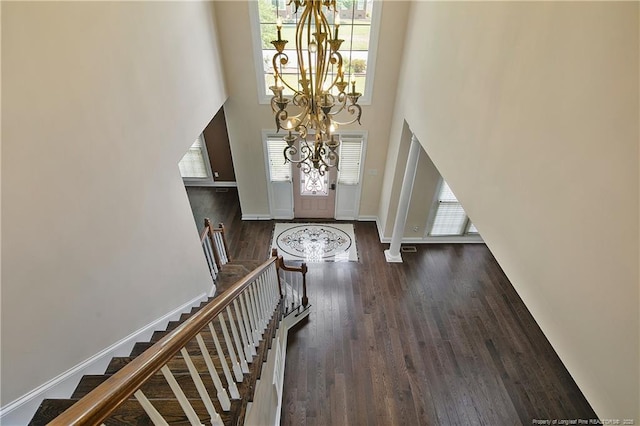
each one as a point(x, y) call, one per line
point(314, 242)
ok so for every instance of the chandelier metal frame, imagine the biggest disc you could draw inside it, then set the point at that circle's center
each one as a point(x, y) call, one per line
point(321, 75)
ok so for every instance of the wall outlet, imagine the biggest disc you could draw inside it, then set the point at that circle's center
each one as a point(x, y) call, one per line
point(415, 228)
point(216, 174)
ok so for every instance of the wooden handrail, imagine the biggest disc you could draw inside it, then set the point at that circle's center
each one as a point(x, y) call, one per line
point(104, 399)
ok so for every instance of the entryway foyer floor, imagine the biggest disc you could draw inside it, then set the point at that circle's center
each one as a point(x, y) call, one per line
point(441, 339)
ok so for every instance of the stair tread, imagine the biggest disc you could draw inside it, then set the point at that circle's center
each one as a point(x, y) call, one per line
point(232, 272)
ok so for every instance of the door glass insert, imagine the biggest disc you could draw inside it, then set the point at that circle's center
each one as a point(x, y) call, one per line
point(314, 184)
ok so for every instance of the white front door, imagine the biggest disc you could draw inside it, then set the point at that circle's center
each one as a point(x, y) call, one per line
point(314, 195)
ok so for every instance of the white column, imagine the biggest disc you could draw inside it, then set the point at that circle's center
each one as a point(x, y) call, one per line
point(393, 254)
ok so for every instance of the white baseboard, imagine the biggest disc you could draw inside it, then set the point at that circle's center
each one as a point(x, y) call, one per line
point(436, 240)
point(467, 239)
point(367, 218)
point(213, 184)
point(250, 216)
point(282, 217)
point(21, 410)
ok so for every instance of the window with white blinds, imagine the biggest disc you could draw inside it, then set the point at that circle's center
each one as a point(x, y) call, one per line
point(350, 158)
point(450, 218)
point(193, 163)
point(279, 171)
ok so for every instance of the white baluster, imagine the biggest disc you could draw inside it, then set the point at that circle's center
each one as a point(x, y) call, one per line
point(275, 291)
point(236, 339)
point(233, 389)
point(202, 391)
point(243, 331)
point(267, 294)
point(257, 333)
point(295, 289)
point(217, 236)
point(268, 286)
point(257, 288)
point(265, 304)
point(298, 300)
point(252, 323)
point(237, 371)
point(288, 290)
point(208, 251)
point(259, 311)
point(222, 395)
point(222, 247)
point(247, 324)
point(148, 408)
point(181, 397)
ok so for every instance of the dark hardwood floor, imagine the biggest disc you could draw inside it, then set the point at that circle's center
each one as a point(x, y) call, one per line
point(441, 339)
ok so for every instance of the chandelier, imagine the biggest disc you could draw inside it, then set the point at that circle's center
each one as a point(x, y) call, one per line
point(319, 97)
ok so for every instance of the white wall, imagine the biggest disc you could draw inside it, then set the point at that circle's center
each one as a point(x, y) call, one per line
point(530, 112)
point(246, 118)
point(100, 102)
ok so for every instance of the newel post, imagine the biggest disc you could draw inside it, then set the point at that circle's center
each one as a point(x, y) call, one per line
point(305, 299)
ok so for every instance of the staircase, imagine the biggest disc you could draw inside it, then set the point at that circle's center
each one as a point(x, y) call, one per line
point(208, 367)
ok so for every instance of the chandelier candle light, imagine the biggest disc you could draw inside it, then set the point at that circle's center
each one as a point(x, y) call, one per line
point(320, 94)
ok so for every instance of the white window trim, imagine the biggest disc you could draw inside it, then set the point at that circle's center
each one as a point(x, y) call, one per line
point(254, 18)
point(205, 181)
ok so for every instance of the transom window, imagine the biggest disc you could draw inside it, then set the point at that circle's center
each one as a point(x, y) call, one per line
point(359, 22)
